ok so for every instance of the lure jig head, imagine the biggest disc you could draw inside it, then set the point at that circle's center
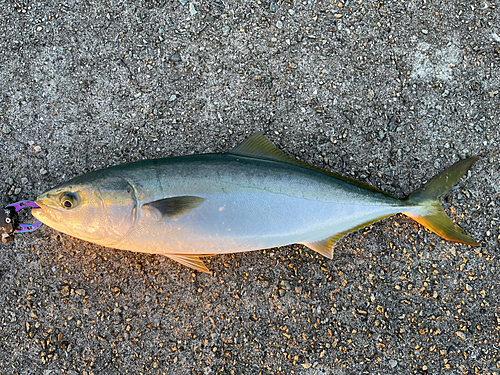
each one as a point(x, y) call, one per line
point(9, 220)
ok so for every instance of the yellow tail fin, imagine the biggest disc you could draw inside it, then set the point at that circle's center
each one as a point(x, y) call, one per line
point(428, 197)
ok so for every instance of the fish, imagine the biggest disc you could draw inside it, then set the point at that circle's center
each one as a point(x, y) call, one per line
point(253, 197)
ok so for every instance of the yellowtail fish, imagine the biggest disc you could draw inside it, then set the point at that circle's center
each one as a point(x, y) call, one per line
point(253, 197)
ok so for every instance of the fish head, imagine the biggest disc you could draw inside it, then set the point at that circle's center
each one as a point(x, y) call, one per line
point(98, 209)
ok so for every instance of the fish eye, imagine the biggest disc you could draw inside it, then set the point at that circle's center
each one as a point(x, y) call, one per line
point(8, 220)
point(68, 200)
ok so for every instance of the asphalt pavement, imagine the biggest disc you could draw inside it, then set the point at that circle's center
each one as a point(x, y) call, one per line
point(387, 92)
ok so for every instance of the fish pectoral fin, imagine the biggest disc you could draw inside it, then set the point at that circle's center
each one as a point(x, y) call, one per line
point(325, 246)
point(191, 261)
point(174, 206)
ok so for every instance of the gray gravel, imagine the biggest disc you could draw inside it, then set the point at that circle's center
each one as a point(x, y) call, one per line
point(389, 93)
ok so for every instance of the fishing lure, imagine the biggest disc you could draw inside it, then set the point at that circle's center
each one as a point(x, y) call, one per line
point(9, 220)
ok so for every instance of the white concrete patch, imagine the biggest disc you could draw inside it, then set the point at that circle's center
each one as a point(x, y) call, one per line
point(432, 64)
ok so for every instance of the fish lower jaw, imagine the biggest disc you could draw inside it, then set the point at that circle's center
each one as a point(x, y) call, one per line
point(46, 215)
point(38, 213)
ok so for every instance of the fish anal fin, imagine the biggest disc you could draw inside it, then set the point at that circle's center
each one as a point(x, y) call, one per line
point(257, 146)
point(191, 261)
point(174, 206)
point(325, 246)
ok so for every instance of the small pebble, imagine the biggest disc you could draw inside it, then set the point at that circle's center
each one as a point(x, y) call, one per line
point(226, 30)
point(6, 129)
point(24, 180)
point(393, 363)
point(183, 2)
point(65, 291)
point(43, 171)
point(425, 31)
point(192, 9)
point(272, 7)
point(176, 57)
point(279, 24)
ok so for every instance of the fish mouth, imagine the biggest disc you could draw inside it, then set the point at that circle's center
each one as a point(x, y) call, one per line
point(45, 213)
point(37, 212)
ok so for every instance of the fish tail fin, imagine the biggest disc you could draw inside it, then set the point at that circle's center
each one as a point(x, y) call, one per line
point(428, 200)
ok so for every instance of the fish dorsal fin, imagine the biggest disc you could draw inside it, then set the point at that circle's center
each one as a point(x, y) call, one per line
point(257, 146)
point(191, 261)
point(174, 206)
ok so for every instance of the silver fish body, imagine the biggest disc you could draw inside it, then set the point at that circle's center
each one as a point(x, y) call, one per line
point(187, 206)
point(249, 204)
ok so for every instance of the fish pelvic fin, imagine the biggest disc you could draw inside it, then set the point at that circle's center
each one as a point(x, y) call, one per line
point(427, 201)
point(191, 261)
